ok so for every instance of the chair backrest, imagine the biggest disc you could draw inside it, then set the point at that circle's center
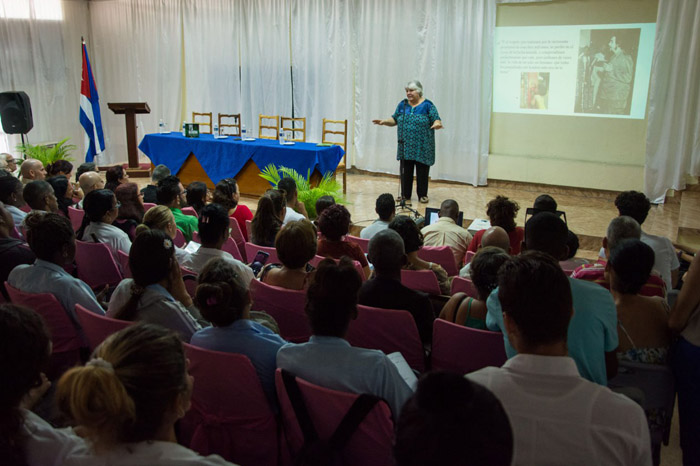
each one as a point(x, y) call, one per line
point(656, 383)
point(295, 126)
point(124, 264)
point(238, 237)
point(195, 237)
point(148, 205)
point(179, 239)
point(335, 127)
point(442, 255)
point(421, 280)
point(205, 120)
point(64, 330)
point(468, 256)
point(96, 327)
point(371, 443)
point(464, 285)
point(76, 217)
point(189, 211)
point(96, 265)
point(287, 308)
point(388, 330)
point(463, 349)
point(252, 249)
point(231, 247)
point(230, 415)
point(268, 124)
point(189, 277)
point(224, 125)
point(316, 259)
point(249, 228)
point(363, 243)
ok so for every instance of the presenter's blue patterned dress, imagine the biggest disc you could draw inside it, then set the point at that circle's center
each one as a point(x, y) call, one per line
point(416, 139)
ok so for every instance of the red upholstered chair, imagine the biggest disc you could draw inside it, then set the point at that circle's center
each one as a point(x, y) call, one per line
point(238, 237)
point(468, 257)
point(189, 211)
point(465, 286)
point(148, 205)
point(179, 239)
point(76, 217)
point(388, 330)
point(96, 327)
point(249, 228)
point(442, 255)
point(463, 349)
point(190, 279)
point(316, 259)
point(421, 280)
point(363, 243)
point(371, 443)
point(252, 249)
point(287, 308)
point(230, 415)
point(124, 264)
point(96, 265)
point(66, 336)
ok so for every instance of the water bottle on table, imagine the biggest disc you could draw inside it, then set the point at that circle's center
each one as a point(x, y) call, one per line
point(161, 126)
point(216, 130)
point(243, 131)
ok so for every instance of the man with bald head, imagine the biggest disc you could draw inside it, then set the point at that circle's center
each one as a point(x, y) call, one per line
point(89, 181)
point(31, 170)
point(446, 232)
point(494, 236)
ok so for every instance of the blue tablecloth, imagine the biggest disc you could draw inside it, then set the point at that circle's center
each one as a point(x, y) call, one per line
point(223, 158)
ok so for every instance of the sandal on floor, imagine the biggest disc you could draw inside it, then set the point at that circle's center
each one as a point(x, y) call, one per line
point(424, 199)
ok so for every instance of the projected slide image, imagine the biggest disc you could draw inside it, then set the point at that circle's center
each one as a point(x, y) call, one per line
point(605, 75)
point(534, 90)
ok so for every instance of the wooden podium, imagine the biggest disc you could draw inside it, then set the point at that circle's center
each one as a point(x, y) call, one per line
point(130, 109)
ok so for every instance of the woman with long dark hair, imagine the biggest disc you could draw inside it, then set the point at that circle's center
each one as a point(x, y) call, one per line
point(268, 218)
point(63, 190)
point(228, 195)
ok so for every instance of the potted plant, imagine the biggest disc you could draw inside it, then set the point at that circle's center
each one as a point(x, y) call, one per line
point(48, 153)
point(328, 186)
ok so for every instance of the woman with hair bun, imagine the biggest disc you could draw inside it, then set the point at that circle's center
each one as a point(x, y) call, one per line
point(127, 399)
point(156, 294)
point(223, 299)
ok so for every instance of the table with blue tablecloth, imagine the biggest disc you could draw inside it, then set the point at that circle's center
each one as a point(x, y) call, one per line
point(210, 160)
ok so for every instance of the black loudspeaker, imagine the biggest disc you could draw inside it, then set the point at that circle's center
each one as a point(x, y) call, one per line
point(16, 112)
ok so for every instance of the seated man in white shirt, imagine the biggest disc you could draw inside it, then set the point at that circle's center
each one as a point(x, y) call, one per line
point(295, 209)
point(213, 232)
point(446, 232)
point(386, 209)
point(328, 359)
point(557, 416)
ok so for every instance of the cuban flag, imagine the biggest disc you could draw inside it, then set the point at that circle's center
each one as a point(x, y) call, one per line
point(90, 112)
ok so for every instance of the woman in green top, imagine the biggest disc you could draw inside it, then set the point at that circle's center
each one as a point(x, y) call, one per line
point(470, 311)
point(417, 119)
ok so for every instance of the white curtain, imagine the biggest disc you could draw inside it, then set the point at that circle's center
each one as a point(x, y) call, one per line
point(137, 57)
point(42, 57)
point(447, 45)
point(673, 130)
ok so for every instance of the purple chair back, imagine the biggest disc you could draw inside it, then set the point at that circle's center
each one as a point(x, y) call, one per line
point(363, 243)
point(96, 327)
point(238, 237)
point(463, 349)
point(124, 264)
point(464, 285)
point(287, 308)
point(179, 239)
point(316, 259)
point(96, 265)
point(421, 280)
point(252, 249)
point(148, 205)
point(190, 211)
point(442, 255)
point(76, 217)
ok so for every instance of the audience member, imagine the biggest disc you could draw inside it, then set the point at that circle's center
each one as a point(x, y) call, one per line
point(295, 209)
point(384, 290)
point(171, 194)
point(228, 195)
point(115, 176)
point(32, 169)
point(328, 359)
point(131, 210)
point(451, 421)
point(592, 335)
point(501, 212)
point(128, 397)
point(469, 311)
point(385, 207)
point(322, 203)
point(101, 210)
point(59, 167)
point(161, 218)
point(39, 196)
point(545, 203)
point(446, 232)
point(213, 233)
point(197, 195)
point(10, 162)
point(334, 224)
point(150, 191)
point(636, 205)
point(223, 298)
point(685, 361)
point(83, 168)
point(572, 262)
point(556, 415)
point(63, 190)
point(156, 294)
point(268, 218)
point(619, 229)
point(495, 237)
point(11, 195)
point(13, 251)
point(413, 241)
point(89, 181)
point(296, 245)
point(52, 240)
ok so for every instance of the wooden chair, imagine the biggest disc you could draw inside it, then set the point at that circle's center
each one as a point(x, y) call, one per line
point(295, 125)
point(265, 125)
point(207, 121)
point(236, 125)
point(332, 127)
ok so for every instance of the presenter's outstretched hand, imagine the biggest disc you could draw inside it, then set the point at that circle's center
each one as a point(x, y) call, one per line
point(436, 125)
point(377, 122)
